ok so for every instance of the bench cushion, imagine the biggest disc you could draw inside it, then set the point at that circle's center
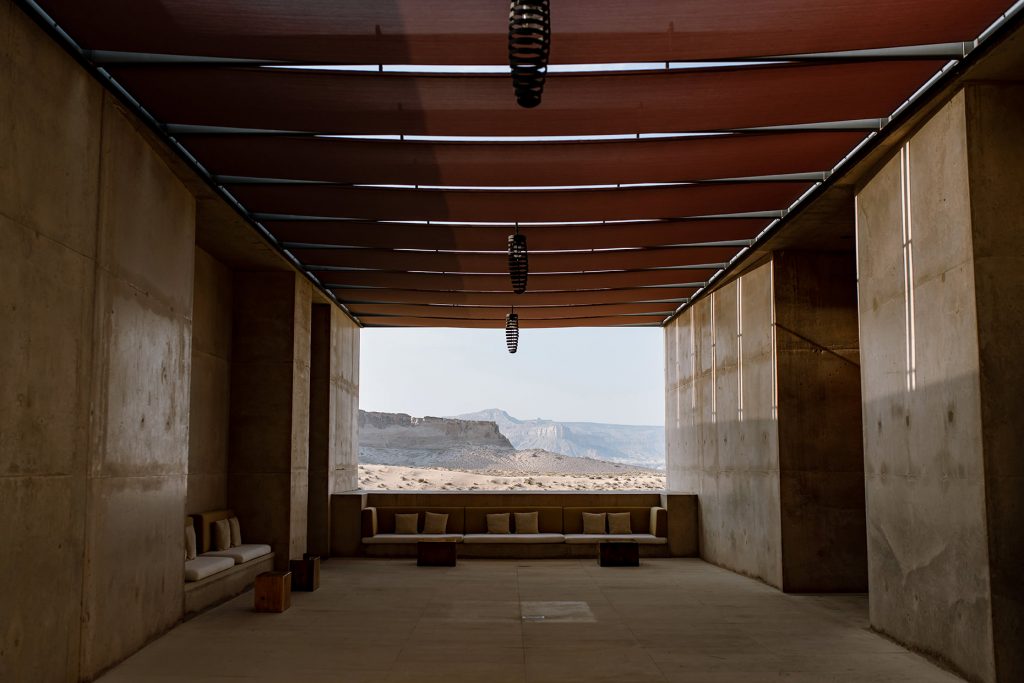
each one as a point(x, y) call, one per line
point(243, 553)
point(410, 538)
point(514, 538)
point(646, 539)
point(204, 566)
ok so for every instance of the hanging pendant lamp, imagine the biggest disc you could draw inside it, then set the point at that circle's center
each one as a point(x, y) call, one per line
point(512, 331)
point(518, 261)
point(529, 43)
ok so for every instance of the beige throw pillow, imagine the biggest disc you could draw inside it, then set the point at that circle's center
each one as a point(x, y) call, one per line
point(406, 523)
point(434, 522)
point(221, 535)
point(618, 523)
point(190, 542)
point(526, 522)
point(498, 523)
point(593, 522)
point(236, 532)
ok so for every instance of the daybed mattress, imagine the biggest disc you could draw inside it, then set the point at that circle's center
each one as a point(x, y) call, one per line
point(514, 538)
point(645, 539)
point(410, 538)
point(241, 553)
point(204, 566)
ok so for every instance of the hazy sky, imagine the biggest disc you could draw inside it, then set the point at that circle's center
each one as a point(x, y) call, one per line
point(611, 375)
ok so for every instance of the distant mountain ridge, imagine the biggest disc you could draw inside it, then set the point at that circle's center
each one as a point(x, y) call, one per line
point(643, 446)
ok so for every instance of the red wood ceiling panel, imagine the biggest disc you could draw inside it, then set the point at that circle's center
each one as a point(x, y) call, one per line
point(672, 295)
point(476, 313)
point(486, 206)
point(575, 104)
point(491, 238)
point(561, 262)
point(500, 283)
point(508, 164)
point(601, 321)
point(475, 31)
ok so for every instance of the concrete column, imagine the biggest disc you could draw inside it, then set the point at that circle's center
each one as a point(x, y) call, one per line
point(767, 394)
point(334, 418)
point(269, 432)
point(941, 250)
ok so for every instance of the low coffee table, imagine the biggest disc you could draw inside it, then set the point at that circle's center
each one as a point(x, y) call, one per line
point(439, 553)
point(618, 554)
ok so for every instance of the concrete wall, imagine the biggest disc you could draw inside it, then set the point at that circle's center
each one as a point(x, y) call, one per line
point(763, 398)
point(268, 479)
point(725, 448)
point(209, 402)
point(940, 251)
point(96, 307)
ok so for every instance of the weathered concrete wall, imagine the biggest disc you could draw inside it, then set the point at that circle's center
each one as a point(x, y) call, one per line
point(726, 447)
point(939, 229)
point(763, 402)
point(209, 402)
point(995, 124)
point(96, 298)
point(821, 457)
point(268, 479)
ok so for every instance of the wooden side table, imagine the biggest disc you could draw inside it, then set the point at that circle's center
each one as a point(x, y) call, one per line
point(435, 553)
point(273, 591)
point(618, 554)
point(305, 573)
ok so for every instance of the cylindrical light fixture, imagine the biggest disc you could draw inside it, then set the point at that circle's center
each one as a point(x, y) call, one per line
point(529, 43)
point(512, 332)
point(518, 262)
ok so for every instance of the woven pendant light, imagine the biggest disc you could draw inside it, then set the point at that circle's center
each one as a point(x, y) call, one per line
point(518, 262)
point(529, 43)
point(512, 332)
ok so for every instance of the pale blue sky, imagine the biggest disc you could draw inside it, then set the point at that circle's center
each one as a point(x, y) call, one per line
point(613, 375)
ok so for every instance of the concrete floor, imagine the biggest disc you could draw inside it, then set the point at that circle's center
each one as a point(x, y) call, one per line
point(388, 621)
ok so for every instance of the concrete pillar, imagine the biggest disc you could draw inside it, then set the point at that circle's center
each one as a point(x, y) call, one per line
point(766, 395)
point(941, 250)
point(334, 418)
point(269, 432)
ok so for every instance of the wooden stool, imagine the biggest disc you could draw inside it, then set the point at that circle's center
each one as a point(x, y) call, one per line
point(435, 554)
point(273, 591)
point(305, 573)
point(618, 554)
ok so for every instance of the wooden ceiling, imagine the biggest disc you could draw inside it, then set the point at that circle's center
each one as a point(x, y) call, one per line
point(410, 229)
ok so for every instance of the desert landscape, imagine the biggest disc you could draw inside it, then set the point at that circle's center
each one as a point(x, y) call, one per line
point(401, 452)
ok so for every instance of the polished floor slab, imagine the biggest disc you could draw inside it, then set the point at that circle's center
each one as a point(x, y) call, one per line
point(493, 621)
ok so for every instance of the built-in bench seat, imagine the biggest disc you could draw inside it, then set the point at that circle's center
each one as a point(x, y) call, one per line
point(559, 531)
point(218, 575)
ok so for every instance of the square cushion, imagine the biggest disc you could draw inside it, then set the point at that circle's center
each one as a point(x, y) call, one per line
point(526, 523)
point(434, 523)
point(406, 523)
point(593, 522)
point(190, 542)
point(236, 532)
point(498, 523)
point(618, 523)
point(221, 534)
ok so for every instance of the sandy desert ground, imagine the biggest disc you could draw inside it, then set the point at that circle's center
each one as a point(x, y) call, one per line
point(395, 478)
